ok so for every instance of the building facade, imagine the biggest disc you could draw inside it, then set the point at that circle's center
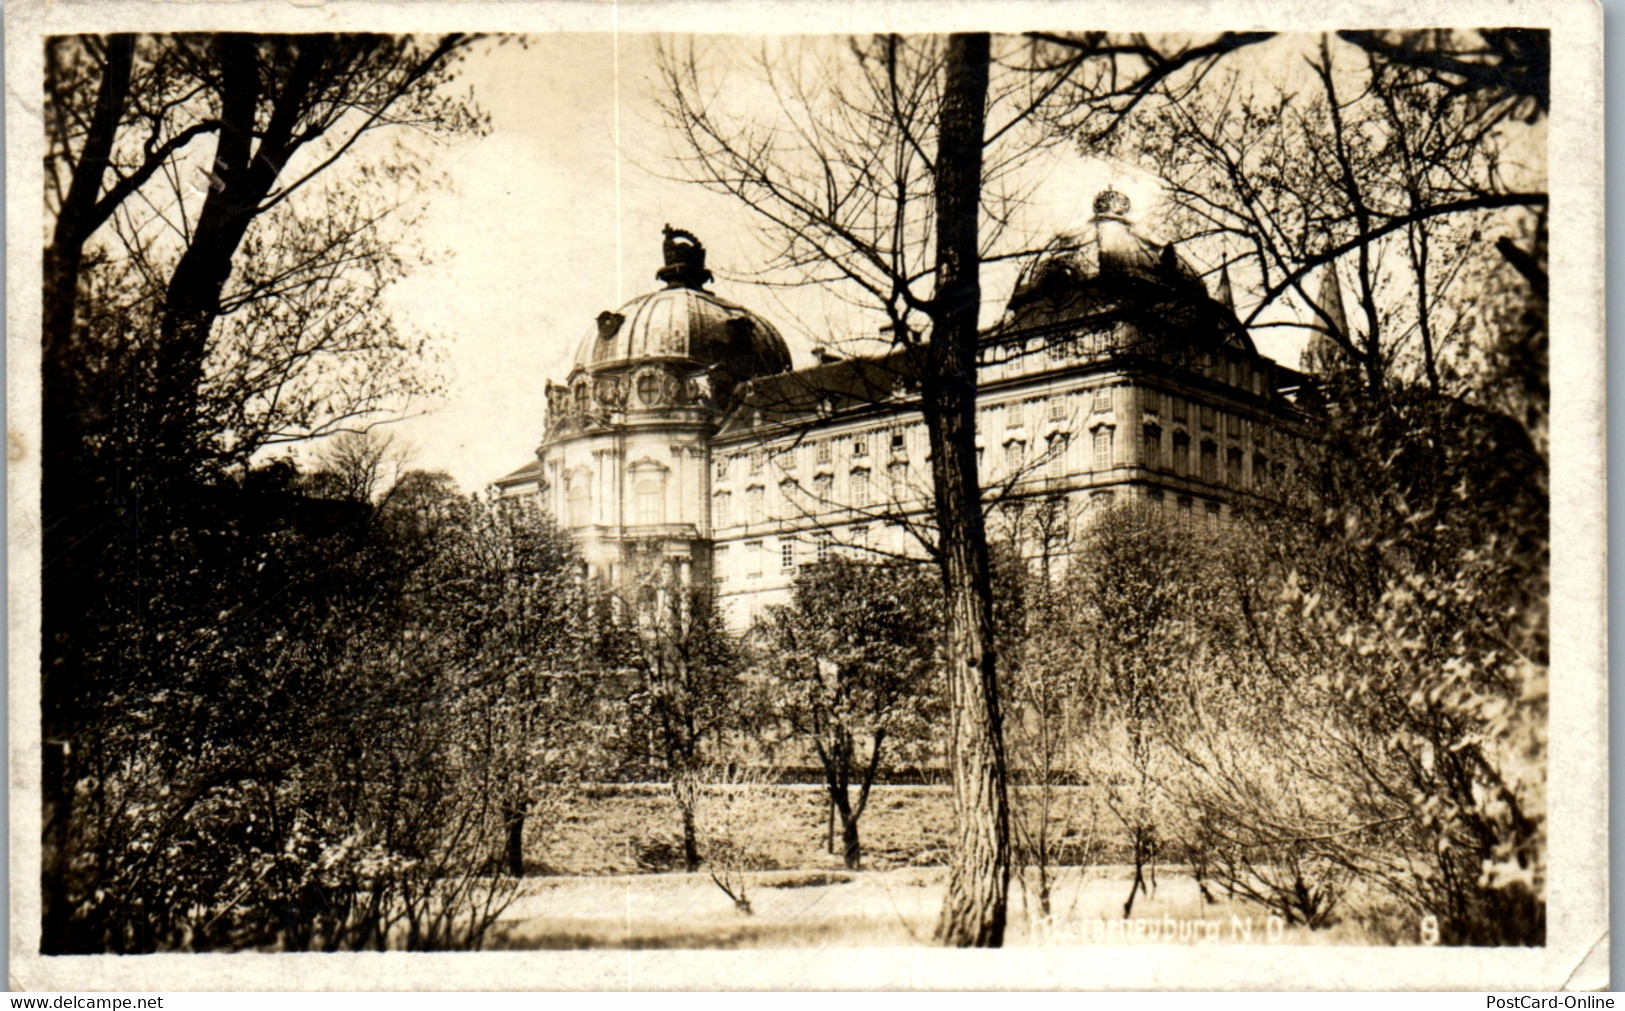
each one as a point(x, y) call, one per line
point(682, 446)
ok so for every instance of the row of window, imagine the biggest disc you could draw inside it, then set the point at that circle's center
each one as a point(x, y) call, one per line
point(789, 552)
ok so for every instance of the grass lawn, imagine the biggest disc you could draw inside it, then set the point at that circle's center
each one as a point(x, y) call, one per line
point(871, 908)
point(608, 876)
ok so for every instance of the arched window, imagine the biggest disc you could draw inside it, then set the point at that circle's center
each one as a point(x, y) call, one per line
point(580, 502)
point(650, 492)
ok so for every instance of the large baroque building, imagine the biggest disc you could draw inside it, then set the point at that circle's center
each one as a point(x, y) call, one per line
point(683, 447)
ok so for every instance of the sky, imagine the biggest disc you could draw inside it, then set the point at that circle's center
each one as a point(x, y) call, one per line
point(555, 215)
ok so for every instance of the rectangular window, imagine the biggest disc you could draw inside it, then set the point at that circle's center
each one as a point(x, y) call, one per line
point(1207, 419)
point(756, 502)
point(824, 489)
point(1057, 408)
point(1179, 410)
point(1013, 415)
point(1232, 425)
point(899, 481)
point(898, 444)
point(753, 560)
point(823, 541)
point(787, 458)
point(1210, 462)
point(722, 467)
point(1103, 400)
point(1212, 514)
point(860, 448)
point(1012, 457)
point(787, 554)
point(719, 564)
point(756, 461)
point(823, 452)
point(860, 489)
point(1057, 454)
point(1153, 404)
point(1182, 454)
point(860, 535)
point(1232, 468)
point(1103, 448)
point(1151, 443)
point(651, 503)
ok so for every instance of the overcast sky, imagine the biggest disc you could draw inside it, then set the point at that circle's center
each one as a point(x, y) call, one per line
point(556, 216)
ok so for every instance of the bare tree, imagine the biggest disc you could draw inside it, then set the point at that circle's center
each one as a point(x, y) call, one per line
point(897, 174)
point(1367, 171)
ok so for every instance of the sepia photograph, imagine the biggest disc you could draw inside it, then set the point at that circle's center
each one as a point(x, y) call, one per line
point(635, 483)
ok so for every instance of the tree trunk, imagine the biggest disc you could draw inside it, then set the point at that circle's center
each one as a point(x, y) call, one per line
point(514, 854)
point(973, 911)
point(691, 842)
point(244, 175)
point(851, 851)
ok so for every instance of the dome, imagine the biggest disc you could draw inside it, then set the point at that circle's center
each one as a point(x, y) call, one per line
point(684, 321)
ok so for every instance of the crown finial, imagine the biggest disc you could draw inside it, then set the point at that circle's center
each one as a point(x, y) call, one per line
point(685, 260)
point(1111, 204)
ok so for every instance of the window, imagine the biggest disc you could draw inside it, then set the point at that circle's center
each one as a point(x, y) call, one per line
point(722, 467)
point(1012, 457)
point(753, 559)
point(1103, 448)
point(860, 448)
point(1103, 400)
point(860, 489)
point(1178, 409)
point(823, 541)
point(787, 554)
point(824, 489)
point(719, 564)
point(1210, 462)
point(722, 509)
point(1232, 425)
point(1153, 404)
point(1151, 445)
point(1057, 454)
point(822, 453)
point(1182, 454)
point(1233, 468)
point(787, 458)
point(899, 480)
point(1057, 409)
point(648, 389)
point(651, 501)
point(1207, 419)
point(1261, 470)
point(898, 444)
point(580, 500)
point(860, 535)
point(755, 505)
point(756, 461)
point(1013, 415)
point(1212, 514)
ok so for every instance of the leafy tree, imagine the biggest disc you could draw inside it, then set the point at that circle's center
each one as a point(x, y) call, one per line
point(678, 669)
point(190, 603)
point(848, 667)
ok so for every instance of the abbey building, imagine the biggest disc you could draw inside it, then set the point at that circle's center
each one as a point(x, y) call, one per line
point(683, 446)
